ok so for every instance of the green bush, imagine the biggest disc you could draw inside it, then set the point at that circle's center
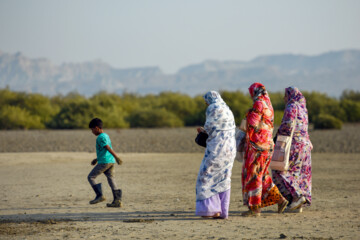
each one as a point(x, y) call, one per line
point(40, 106)
point(61, 101)
point(320, 103)
point(351, 95)
point(352, 110)
point(325, 121)
point(154, 118)
point(277, 101)
point(130, 102)
point(179, 104)
point(8, 97)
point(197, 118)
point(14, 117)
point(78, 115)
point(168, 109)
point(73, 115)
point(35, 104)
point(278, 115)
point(109, 110)
point(113, 118)
point(238, 102)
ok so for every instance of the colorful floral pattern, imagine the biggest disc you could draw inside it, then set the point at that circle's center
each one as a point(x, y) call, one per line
point(296, 182)
point(257, 186)
point(216, 167)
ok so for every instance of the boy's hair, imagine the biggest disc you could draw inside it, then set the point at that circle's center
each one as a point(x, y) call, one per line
point(96, 122)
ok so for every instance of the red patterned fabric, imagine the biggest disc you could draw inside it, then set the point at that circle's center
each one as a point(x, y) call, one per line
point(256, 181)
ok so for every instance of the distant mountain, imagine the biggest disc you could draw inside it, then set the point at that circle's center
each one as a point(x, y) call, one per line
point(330, 72)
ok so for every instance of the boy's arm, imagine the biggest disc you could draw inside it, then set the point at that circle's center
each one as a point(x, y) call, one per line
point(118, 160)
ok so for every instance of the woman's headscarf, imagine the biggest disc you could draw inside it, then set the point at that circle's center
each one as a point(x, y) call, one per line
point(294, 95)
point(257, 91)
point(218, 114)
point(213, 97)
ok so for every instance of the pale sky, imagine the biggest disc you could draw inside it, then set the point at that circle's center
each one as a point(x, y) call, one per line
point(172, 34)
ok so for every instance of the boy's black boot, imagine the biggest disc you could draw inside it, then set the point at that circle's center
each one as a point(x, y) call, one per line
point(117, 199)
point(99, 196)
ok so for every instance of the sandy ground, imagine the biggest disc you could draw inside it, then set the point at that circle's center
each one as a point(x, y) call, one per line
point(45, 196)
point(163, 140)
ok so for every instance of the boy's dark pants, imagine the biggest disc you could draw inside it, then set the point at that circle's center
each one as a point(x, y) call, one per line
point(108, 170)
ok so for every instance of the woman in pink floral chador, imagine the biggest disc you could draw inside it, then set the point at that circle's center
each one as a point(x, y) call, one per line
point(295, 184)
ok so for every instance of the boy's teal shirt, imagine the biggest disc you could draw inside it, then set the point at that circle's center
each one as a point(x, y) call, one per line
point(103, 155)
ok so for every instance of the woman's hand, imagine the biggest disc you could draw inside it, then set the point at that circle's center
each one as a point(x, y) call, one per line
point(242, 145)
point(93, 162)
point(200, 129)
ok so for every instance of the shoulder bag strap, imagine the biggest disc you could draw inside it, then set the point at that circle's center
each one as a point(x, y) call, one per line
point(295, 121)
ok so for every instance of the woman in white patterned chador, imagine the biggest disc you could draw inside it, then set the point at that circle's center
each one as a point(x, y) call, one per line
point(214, 178)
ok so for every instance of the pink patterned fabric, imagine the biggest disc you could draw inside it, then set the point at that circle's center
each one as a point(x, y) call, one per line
point(296, 181)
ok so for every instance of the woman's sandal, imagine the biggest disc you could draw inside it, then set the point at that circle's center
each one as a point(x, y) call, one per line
point(298, 210)
point(251, 214)
point(297, 204)
point(282, 206)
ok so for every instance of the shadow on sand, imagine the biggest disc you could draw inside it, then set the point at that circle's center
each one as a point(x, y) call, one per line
point(138, 216)
point(131, 217)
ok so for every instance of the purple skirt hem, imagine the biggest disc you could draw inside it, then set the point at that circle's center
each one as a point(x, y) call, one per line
point(218, 203)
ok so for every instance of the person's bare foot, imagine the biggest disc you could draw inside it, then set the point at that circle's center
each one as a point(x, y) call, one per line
point(216, 215)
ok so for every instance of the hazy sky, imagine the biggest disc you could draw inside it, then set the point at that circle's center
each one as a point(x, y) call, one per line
point(173, 34)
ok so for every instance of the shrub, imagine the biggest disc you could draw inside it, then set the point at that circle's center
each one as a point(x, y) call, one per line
point(14, 117)
point(129, 102)
point(352, 110)
point(73, 115)
point(277, 101)
point(197, 118)
point(278, 115)
point(106, 100)
point(320, 103)
point(238, 102)
point(109, 108)
point(168, 109)
point(154, 118)
point(179, 104)
point(351, 95)
point(40, 106)
point(325, 121)
point(78, 115)
point(8, 97)
point(113, 118)
point(35, 104)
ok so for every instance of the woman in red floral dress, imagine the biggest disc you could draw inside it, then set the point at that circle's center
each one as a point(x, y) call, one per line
point(257, 187)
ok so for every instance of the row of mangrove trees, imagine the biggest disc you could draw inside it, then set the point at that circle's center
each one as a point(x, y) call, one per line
point(20, 110)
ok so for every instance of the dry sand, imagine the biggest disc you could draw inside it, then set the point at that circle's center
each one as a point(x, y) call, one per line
point(163, 140)
point(45, 196)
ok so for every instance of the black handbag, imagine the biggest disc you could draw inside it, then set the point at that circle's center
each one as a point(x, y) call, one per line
point(275, 138)
point(201, 139)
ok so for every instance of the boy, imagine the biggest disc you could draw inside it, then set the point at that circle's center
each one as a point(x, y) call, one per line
point(105, 164)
